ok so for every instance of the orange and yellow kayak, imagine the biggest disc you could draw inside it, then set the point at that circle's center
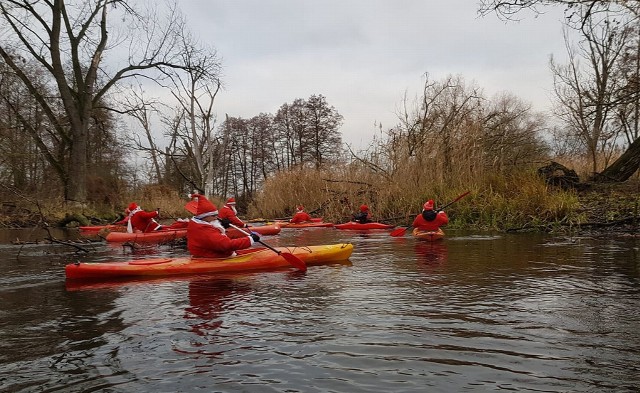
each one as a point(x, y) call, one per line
point(428, 235)
point(246, 260)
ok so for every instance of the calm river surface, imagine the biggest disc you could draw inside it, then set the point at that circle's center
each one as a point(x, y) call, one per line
point(475, 312)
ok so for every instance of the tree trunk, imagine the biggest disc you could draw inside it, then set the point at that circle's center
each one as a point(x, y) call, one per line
point(624, 167)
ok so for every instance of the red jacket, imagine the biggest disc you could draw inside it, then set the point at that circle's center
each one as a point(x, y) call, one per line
point(207, 240)
point(144, 221)
point(229, 214)
point(424, 225)
point(300, 217)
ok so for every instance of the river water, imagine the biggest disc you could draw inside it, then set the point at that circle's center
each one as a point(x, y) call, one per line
point(474, 312)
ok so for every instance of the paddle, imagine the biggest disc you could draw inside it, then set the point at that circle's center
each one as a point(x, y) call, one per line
point(401, 231)
point(289, 257)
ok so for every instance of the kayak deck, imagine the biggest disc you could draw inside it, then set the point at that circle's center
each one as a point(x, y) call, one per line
point(246, 260)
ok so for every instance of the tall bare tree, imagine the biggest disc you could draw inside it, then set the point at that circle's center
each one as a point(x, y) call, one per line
point(586, 91)
point(70, 40)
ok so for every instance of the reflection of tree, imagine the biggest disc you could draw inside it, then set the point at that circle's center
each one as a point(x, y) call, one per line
point(208, 299)
point(431, 253)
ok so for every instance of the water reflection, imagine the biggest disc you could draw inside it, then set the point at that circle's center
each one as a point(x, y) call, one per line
point(470, 313)
point(431, 253)
point(209, 299)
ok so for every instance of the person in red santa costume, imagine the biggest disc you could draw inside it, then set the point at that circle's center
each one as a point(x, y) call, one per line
point(429, 220)
point(206, 236)
point(300, 216)
point(142, 221)
point(229, 214)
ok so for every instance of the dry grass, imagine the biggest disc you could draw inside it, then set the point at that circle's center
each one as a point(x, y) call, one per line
point(495, 201)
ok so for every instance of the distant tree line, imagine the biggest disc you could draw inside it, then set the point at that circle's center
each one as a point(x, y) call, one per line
point(63, 108)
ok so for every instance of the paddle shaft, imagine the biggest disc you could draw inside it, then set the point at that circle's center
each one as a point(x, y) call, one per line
point(259, 241)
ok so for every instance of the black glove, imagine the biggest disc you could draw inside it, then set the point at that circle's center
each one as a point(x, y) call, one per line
point(225, 223)
point(255, 237)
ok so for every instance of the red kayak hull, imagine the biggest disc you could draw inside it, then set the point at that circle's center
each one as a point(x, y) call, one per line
point(366, 226)
point(306, 225)
point(264, 230)
point(147, 238)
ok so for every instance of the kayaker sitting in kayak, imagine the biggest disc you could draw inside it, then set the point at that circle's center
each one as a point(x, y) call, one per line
point(124, 220)
point(363, 216)
point(430, 220)
point(301, 216)
point(206, 236)
point(229, 214)
point(142, 221)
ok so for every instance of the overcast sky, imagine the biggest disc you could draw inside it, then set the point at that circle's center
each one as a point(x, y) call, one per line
point(363, 55)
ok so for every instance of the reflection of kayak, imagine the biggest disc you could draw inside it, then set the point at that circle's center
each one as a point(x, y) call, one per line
point(98, 228)
point(264, 230)
point(359, 226)
point(249, 259)
point(428, 235)
point(148, 237)
point(313, 224)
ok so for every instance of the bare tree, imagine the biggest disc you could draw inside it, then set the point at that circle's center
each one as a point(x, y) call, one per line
point(586, 91)
point(69, 41)
point(579, 10)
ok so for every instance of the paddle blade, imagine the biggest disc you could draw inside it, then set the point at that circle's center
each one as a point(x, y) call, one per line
point(294, 261)
point(398, 232)
point(192, 207)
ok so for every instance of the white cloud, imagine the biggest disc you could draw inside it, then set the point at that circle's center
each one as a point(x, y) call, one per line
point(364, 54)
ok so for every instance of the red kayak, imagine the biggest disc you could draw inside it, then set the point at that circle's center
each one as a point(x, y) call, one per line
point(263, 230)
point(366, 226)
point(430, 236)
point(162, 236)
point(312, 224)
point(123, 228)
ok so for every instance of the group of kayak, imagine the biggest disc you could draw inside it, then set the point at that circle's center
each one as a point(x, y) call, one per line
point(223, 245)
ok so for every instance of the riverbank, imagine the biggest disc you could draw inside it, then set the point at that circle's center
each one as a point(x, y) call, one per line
point(601, 208)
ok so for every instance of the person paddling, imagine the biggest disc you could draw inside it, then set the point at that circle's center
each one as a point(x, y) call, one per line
point(429, 220)
point(363, 216)
point(206, 235)
point(125, 219)
point(142, 221)
point(300, 216)
point(229, 214)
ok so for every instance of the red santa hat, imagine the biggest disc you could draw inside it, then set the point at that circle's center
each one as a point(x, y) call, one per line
point(205, 207)
point(231, 201)
point(428, 205)
point(364, 208)
point(132, 206)
point(300, 208)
